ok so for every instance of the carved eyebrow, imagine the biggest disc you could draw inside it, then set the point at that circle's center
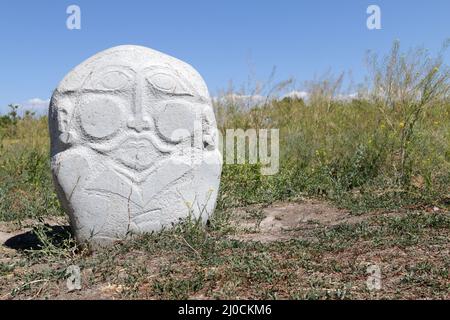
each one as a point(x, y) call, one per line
point(116, 67)
point(159, 68)
point(183, 86)
point(96, 75)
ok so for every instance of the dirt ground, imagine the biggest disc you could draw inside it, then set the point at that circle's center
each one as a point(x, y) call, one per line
point(270, 252)
point(284, 221)
point(262, 223)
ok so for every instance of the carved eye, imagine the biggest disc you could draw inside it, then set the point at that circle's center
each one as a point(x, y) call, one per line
point(176, 122)
point(167, 83)
point(113, 80)
point(100, 118)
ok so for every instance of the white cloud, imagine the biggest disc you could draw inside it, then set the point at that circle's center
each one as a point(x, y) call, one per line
point(296, 95)
point(241, 99)
point(37, 105)
point(38, 102)
point(255, 100)
point(347, 97)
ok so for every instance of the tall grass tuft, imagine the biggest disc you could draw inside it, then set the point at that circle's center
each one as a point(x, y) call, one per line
point(388, 146)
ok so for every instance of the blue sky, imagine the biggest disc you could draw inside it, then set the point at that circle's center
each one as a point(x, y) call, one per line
point(223, 40)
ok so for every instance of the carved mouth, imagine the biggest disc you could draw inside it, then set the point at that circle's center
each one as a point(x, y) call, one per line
point(137, 153)
point(137, 143)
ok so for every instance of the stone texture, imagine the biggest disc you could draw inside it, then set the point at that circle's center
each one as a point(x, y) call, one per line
point(133, 144)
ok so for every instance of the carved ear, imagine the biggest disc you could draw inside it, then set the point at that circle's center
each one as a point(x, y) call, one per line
point(210, 132)
point(61, 118)
point(61, 109)
point(66, 138)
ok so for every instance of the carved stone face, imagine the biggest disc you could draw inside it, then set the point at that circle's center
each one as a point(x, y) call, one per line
point(133, 144)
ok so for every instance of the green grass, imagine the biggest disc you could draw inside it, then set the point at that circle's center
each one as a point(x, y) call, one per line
point(26, 186)
point(191, 261)
point(388, 157)
point(346, 155)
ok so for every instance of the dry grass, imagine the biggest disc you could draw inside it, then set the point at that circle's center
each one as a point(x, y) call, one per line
point(383, 156)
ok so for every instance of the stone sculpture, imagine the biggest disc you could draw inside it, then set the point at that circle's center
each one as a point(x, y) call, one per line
point(133, 145)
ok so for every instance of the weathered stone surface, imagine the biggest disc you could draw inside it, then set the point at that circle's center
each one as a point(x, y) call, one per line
point(133, 144)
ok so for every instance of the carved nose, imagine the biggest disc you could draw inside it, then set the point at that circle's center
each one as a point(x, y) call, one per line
point(139, 124)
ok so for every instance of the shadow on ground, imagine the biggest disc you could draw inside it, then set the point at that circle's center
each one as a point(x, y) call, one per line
point(30, 240)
